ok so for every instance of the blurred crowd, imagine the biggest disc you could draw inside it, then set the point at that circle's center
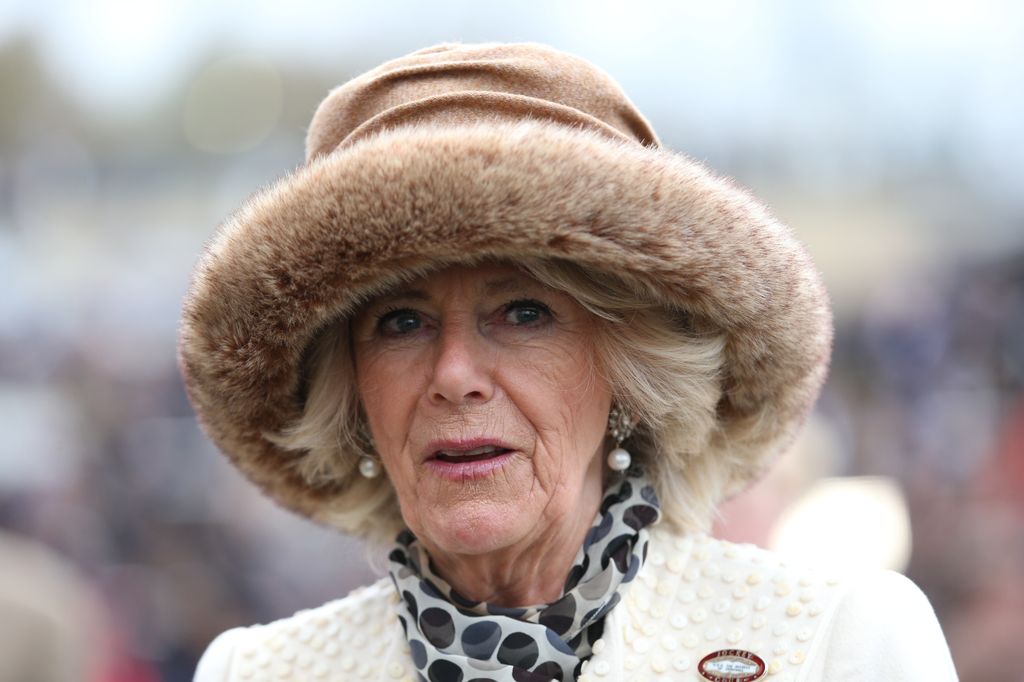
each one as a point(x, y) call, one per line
point(127, 542)
point(162, 543)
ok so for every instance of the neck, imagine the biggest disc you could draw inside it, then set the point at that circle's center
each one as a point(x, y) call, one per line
point(531, 572)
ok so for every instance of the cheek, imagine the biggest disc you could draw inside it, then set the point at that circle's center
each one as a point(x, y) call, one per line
point(566, 398)
point(388, 392)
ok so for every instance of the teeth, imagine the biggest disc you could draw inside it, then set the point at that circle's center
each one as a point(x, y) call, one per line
point(469, 453)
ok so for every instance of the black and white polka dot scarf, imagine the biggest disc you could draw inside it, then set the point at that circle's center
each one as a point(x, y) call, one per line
point(455, 639)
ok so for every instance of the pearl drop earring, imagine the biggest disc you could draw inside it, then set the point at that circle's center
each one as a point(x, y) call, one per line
point(620, 426)
point(369, 467)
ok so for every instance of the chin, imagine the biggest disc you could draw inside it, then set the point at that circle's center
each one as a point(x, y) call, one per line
point(475, 527)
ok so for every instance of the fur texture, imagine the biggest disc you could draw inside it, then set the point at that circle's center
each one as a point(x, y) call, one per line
point(350, 223)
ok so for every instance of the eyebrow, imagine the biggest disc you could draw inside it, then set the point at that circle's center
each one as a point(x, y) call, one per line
point(491, 287)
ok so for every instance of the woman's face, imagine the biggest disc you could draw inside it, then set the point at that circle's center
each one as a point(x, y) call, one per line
point(485, 405)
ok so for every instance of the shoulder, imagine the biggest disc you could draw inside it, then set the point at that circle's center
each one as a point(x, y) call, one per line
point(358, 636)
point(885, 628)
point(698, 595)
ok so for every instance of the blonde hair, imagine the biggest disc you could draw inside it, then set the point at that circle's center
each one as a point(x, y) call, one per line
point(661, 367)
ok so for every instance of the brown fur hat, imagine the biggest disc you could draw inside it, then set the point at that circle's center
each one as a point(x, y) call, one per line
point(490, 150)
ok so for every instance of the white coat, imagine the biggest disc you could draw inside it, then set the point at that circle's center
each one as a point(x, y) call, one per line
point(694, 596)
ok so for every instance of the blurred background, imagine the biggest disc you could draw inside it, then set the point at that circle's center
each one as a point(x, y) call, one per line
point(887, 134)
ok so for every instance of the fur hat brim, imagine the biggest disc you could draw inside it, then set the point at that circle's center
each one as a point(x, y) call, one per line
point(307, 249)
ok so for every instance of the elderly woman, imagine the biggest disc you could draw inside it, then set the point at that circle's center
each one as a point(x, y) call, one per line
point(494, 327)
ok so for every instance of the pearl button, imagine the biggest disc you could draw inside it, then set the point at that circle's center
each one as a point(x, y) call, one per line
point(804, 635)
point(782, 589)
point(664, 589)
point(735, 635)
point(740, 591)
point(675, 564)
point(689, 640)
point(758, 621)
point(731, 552)
point(658, 612)
point(658, 664)
point(781, 648)
point(681, 663)
point(632, 663)
point(796, 658)
point(705, 592)
point(598, 646)
point(669, 643)
point(348, 663)
point(395, 670)
point(814, 610)
point(754, 579)
point(650, 629)
point(686, 596)
point(691, 574)
point(806, 596)
point(679, 621)
point(739, 613)
point(794, 609)
point(762, 603)
point(711, 570)
point(699, 615)
point(331, 649)
point(601, 668)
point(657, 558)
point(712, 633)
point(721, 606)
point(774, 667)
point(729, 577)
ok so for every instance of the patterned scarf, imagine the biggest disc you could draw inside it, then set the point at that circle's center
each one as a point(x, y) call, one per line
point(453, 638)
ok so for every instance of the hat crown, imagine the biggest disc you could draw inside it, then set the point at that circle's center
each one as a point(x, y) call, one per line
point(456, 83)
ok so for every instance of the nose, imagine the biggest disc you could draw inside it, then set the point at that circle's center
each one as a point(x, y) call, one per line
point(462, 370)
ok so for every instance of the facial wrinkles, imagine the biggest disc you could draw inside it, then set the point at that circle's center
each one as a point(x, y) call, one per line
point(539, 399)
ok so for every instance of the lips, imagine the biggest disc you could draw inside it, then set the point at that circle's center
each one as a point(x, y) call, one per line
point(467, 450)
point(468, 461)
point(474, 455)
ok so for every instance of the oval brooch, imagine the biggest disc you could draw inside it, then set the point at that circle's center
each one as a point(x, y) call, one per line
point(732, 665)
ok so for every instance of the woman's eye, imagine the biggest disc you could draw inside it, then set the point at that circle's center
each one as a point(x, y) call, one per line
point(525, 312)
point(398, 322)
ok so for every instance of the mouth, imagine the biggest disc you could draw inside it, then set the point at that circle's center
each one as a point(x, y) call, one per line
point(469, 459)
point(473, 455)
